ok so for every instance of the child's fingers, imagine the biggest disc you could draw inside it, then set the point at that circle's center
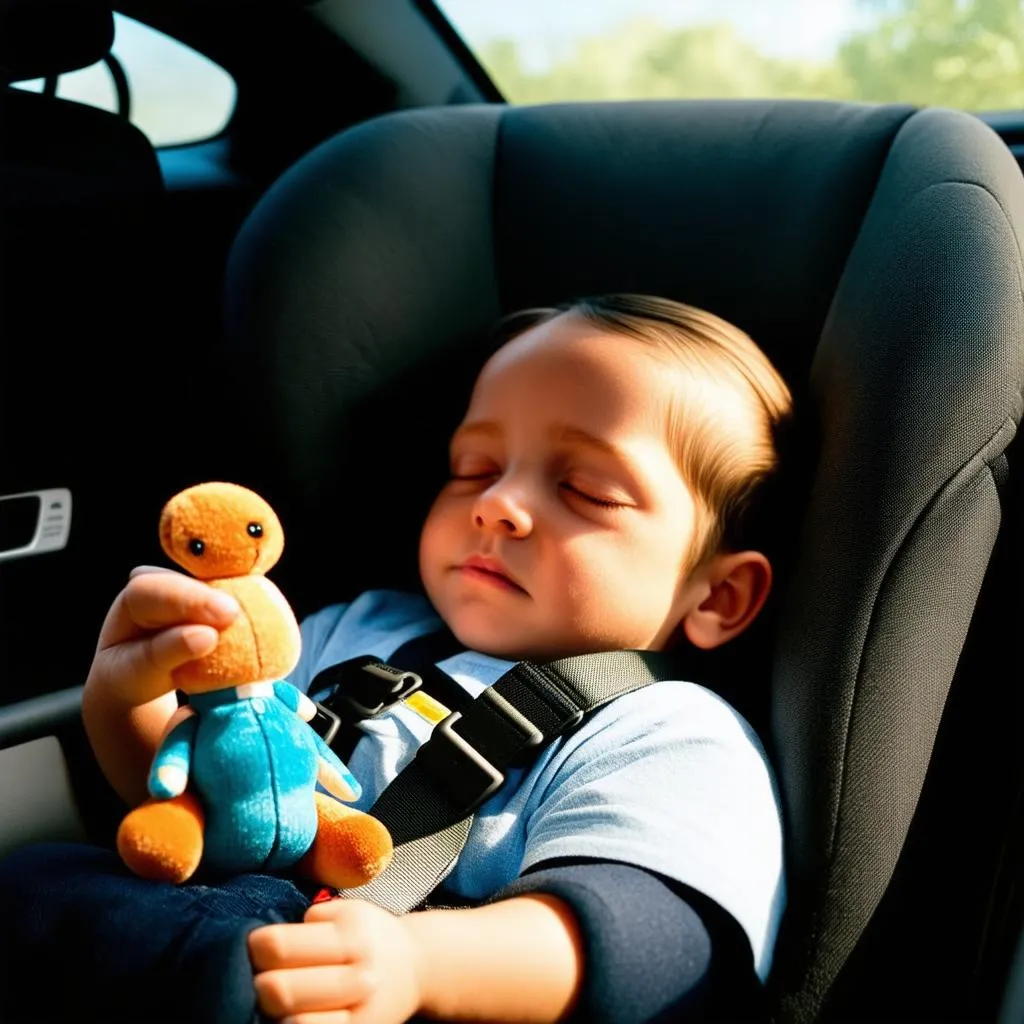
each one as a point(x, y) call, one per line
point(154, 657)
point(298, 990)
point(307, 968)
point(141, 570)
point(154, 600)
point(348, 916)
point(278, 946)
point(324, 1017)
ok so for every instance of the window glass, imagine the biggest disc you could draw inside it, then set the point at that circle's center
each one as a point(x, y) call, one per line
point(176, 94)
point(957, 53)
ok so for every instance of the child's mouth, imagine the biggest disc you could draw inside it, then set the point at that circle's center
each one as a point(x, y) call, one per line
point(490, 577)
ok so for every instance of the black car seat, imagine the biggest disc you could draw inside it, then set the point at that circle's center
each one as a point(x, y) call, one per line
point(79, 336)
point(872, 251)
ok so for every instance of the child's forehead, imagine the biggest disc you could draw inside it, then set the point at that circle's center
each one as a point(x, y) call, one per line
point(563, 394)
point(589, 380)
point(567, 368)
point(568, 345)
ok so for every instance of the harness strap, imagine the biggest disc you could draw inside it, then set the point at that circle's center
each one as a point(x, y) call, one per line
point(428, 808)
point(421, 655)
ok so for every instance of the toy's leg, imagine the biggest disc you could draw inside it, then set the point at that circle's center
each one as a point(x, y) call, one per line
point(163, 839)
point(350, 847)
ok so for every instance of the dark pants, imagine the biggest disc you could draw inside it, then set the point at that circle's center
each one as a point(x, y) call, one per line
point(83, 939)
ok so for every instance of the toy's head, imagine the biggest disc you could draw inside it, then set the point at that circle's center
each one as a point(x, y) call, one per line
point(216, 530)
point(229, 537)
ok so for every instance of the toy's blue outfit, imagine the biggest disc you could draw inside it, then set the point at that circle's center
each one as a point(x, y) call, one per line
point(254, 762)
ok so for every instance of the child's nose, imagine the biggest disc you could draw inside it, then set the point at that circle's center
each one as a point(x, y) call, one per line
point(498, 509)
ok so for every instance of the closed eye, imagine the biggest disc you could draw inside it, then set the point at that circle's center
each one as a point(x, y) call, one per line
point(602, 502)
point(575, 491)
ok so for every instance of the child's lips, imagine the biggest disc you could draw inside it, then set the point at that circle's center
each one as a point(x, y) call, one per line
point(489, 571)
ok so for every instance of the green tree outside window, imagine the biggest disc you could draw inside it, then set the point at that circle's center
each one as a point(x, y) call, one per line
point(955, 53)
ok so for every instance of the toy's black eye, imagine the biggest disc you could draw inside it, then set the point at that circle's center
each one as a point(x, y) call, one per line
point(196, 546)
point(255, 529)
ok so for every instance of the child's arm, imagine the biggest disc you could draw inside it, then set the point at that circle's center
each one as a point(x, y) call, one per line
point(516, 960)
point(160, 620)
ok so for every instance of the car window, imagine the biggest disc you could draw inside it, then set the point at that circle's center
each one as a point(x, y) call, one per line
point(957, 53)
point(175, 95)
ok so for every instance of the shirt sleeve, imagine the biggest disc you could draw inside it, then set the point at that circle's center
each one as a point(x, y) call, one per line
point(674, 782)
point(653, 949)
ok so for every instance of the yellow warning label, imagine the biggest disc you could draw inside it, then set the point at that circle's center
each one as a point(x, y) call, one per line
point(426, 707)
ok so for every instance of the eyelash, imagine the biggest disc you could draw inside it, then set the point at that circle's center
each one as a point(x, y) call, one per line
point(600, 502)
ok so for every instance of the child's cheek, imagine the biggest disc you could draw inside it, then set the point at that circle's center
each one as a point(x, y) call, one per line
point(436, 542)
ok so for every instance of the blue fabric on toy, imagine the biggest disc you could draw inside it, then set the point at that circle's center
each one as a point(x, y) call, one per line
point(254, 763)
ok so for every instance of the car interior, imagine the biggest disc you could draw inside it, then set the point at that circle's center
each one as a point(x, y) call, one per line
point(300, 303)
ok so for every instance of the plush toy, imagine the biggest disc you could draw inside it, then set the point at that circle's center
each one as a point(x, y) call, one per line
point(243, 748)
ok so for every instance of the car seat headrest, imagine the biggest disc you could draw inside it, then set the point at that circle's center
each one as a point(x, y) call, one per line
point(42, 38)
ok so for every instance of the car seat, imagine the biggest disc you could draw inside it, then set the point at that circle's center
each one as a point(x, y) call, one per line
point(872, 251)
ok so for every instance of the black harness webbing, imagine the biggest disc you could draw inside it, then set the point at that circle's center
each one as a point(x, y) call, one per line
point(428, 808)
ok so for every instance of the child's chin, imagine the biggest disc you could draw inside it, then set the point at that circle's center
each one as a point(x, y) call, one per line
point(497, 639)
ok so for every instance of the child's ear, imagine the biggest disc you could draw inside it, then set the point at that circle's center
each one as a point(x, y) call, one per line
point(738, 584)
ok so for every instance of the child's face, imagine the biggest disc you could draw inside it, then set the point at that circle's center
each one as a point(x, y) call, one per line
point(563, 419)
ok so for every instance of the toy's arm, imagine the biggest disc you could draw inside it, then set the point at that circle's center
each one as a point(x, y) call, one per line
point(333, 775)
point(331, 772)
point(295, 700)
point(169, 775)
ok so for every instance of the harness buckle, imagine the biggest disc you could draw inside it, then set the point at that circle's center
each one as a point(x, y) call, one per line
point(365, 687)
point(461, 771)
point(325, 722)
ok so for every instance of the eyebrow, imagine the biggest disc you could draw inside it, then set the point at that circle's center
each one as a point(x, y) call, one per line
point(559, 432)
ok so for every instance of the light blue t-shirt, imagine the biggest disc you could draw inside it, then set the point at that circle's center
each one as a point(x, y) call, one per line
point(668, 778)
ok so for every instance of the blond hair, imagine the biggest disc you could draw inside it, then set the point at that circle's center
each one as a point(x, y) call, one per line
point(725, 465)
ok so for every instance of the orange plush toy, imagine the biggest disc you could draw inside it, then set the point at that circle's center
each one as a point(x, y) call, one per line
point(244, 751)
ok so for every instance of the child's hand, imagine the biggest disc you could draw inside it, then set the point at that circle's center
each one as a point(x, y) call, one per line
point(347, 961)
point(160, 620)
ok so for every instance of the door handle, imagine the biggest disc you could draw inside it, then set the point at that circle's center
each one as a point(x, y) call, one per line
point(52, 521)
